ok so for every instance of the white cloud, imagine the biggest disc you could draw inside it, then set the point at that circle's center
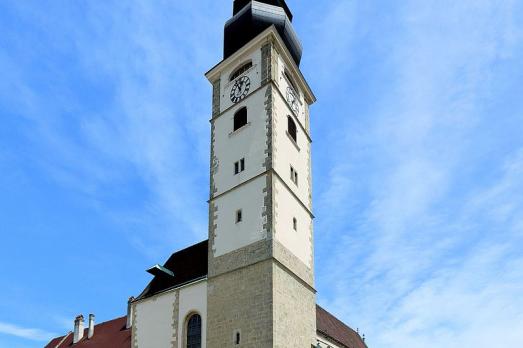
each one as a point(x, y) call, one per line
point(423, 249)
point(27, 333)
point(417, 247)
point(140, 62)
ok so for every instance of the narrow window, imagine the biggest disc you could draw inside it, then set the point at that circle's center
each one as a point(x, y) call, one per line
point(194, 331)
point(237, 338)
point(239, 166)
point(240, 118)
point(239, 216)
point(291, 129)
point(294, 176)
point(240, 71)
point(295, 224)
point(291, 81)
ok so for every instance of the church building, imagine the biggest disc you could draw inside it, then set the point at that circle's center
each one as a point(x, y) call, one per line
point(251, 284)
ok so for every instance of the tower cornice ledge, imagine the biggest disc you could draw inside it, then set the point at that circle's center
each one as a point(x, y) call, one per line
point(270, 33)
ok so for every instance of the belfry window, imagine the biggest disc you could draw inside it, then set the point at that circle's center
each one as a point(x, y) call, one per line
point(291, 129)
point(291, 82)
point(240, 118)
point(240, 71)
point(194, 331)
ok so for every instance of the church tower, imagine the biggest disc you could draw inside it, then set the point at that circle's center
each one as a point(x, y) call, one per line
point(261, 267)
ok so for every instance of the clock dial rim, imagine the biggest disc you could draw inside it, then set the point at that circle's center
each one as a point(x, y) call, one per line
point(242, 82)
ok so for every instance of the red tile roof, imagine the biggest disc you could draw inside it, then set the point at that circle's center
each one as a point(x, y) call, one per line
point(329, 326)
point(111, 334)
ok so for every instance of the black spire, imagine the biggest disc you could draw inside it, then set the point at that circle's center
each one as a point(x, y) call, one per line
point(250, 18)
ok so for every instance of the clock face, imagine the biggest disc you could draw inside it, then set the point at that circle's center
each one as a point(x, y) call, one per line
point(292, 100)
point(240, 89)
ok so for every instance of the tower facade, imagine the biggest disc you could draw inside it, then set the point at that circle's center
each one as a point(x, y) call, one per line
point(251, 284)
point(261, 265)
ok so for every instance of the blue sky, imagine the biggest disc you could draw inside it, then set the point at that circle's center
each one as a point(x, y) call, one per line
point(418, 160)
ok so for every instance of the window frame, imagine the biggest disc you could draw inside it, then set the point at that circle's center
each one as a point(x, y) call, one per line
point(239, 166)
point(240, 70)
point(293, 133)
point(294, 175)
point(237, 338)
point(238, 216)
point(291, 82)
point(189, 317)
point(239, 124)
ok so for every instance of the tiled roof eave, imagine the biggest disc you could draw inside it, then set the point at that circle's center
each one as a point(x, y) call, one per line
point(329, 337)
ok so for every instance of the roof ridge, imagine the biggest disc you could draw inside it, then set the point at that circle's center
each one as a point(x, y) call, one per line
point(107, 322)
point(190, 246)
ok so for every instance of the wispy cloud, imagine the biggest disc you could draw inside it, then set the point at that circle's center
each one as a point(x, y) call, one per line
point(419, 207)
point(27, 333)
point(149, 123)
point(423, 235)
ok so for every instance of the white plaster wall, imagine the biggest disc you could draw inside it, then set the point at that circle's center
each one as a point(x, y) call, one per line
point(254, 75)
point(298, 242)
point(248, 142)
point(154, 320)
point(193, 299)
point(287, 153)
point(230, 235)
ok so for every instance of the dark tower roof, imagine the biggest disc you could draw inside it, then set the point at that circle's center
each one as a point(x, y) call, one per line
point(240, 4)
point(250, 18)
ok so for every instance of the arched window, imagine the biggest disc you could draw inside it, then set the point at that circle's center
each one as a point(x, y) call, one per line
point(291, 81)
point(291, 129)
point(240, 118)
point(194, 331)
point(240, 71)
